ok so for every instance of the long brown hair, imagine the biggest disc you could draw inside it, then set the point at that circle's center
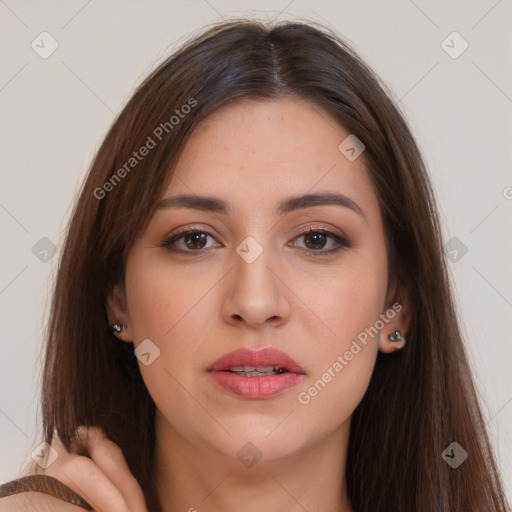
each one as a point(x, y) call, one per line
point(419, 400)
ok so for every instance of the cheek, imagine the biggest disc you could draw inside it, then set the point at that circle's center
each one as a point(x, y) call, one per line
point(333, 394)
point(161, 297)
point(350, 307)
point(347, 300)
point(344, 361)
point(172, 308)
point(168, 307)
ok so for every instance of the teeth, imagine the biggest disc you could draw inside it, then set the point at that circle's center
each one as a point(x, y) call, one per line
point(251, 368)
point(255, 371)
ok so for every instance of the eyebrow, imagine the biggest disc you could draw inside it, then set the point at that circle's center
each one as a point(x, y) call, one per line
point(216, 205)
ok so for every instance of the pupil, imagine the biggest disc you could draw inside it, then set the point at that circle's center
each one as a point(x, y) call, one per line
point(197, 239)
point(317, 241)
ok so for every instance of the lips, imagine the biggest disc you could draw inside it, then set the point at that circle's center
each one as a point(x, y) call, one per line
point(256, 375)
point(261, 361)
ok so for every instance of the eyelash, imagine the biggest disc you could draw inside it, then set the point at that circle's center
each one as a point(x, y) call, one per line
point(343, 242)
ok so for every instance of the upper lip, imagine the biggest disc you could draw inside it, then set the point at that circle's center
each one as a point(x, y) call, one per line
point(262, 357)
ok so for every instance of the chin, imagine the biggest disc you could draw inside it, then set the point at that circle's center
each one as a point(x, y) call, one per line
point(267, 445)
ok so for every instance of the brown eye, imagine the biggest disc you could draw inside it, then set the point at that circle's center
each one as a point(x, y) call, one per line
point(195, 240)
point(191, 241)
point(316, 240)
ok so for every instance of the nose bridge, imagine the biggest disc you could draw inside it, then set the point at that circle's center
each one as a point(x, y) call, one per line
point(252, 274)
point(256, 294)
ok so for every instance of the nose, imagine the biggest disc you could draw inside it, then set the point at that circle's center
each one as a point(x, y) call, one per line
point(255, 294)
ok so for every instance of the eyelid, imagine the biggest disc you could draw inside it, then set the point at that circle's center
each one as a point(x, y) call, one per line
point(188, 228)
point(318, 227)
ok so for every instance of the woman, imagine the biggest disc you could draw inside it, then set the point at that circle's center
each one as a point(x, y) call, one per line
point(252, 306)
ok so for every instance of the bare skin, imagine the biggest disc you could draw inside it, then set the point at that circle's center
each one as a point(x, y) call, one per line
point(195, 308)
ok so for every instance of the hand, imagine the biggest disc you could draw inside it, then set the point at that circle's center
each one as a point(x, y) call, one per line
point(105, 481)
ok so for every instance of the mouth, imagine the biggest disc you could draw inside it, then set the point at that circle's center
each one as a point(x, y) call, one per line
point(256, 374)
point(254, 363)
point(256, 371)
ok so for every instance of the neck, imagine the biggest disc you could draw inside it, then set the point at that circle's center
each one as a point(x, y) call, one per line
point(194, 478)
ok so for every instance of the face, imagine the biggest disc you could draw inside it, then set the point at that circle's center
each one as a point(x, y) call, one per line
point(249, 276)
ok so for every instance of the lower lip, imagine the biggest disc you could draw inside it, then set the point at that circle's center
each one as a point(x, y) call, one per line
point(256, 388)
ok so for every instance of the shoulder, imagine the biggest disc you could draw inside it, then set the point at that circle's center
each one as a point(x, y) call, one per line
point(36, 502)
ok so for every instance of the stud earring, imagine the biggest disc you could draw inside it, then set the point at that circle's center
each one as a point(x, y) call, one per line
point(116, 328)
point(396, 336)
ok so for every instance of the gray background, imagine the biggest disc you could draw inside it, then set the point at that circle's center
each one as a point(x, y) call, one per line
point(55, 112)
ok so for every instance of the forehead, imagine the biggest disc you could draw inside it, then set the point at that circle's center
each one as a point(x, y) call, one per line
point(266, 149)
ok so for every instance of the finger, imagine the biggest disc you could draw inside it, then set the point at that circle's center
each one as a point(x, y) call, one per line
point(109, 457)
point(86, 478)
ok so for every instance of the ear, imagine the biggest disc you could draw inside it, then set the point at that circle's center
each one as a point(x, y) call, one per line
point(117, 312)
point(397, 317)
